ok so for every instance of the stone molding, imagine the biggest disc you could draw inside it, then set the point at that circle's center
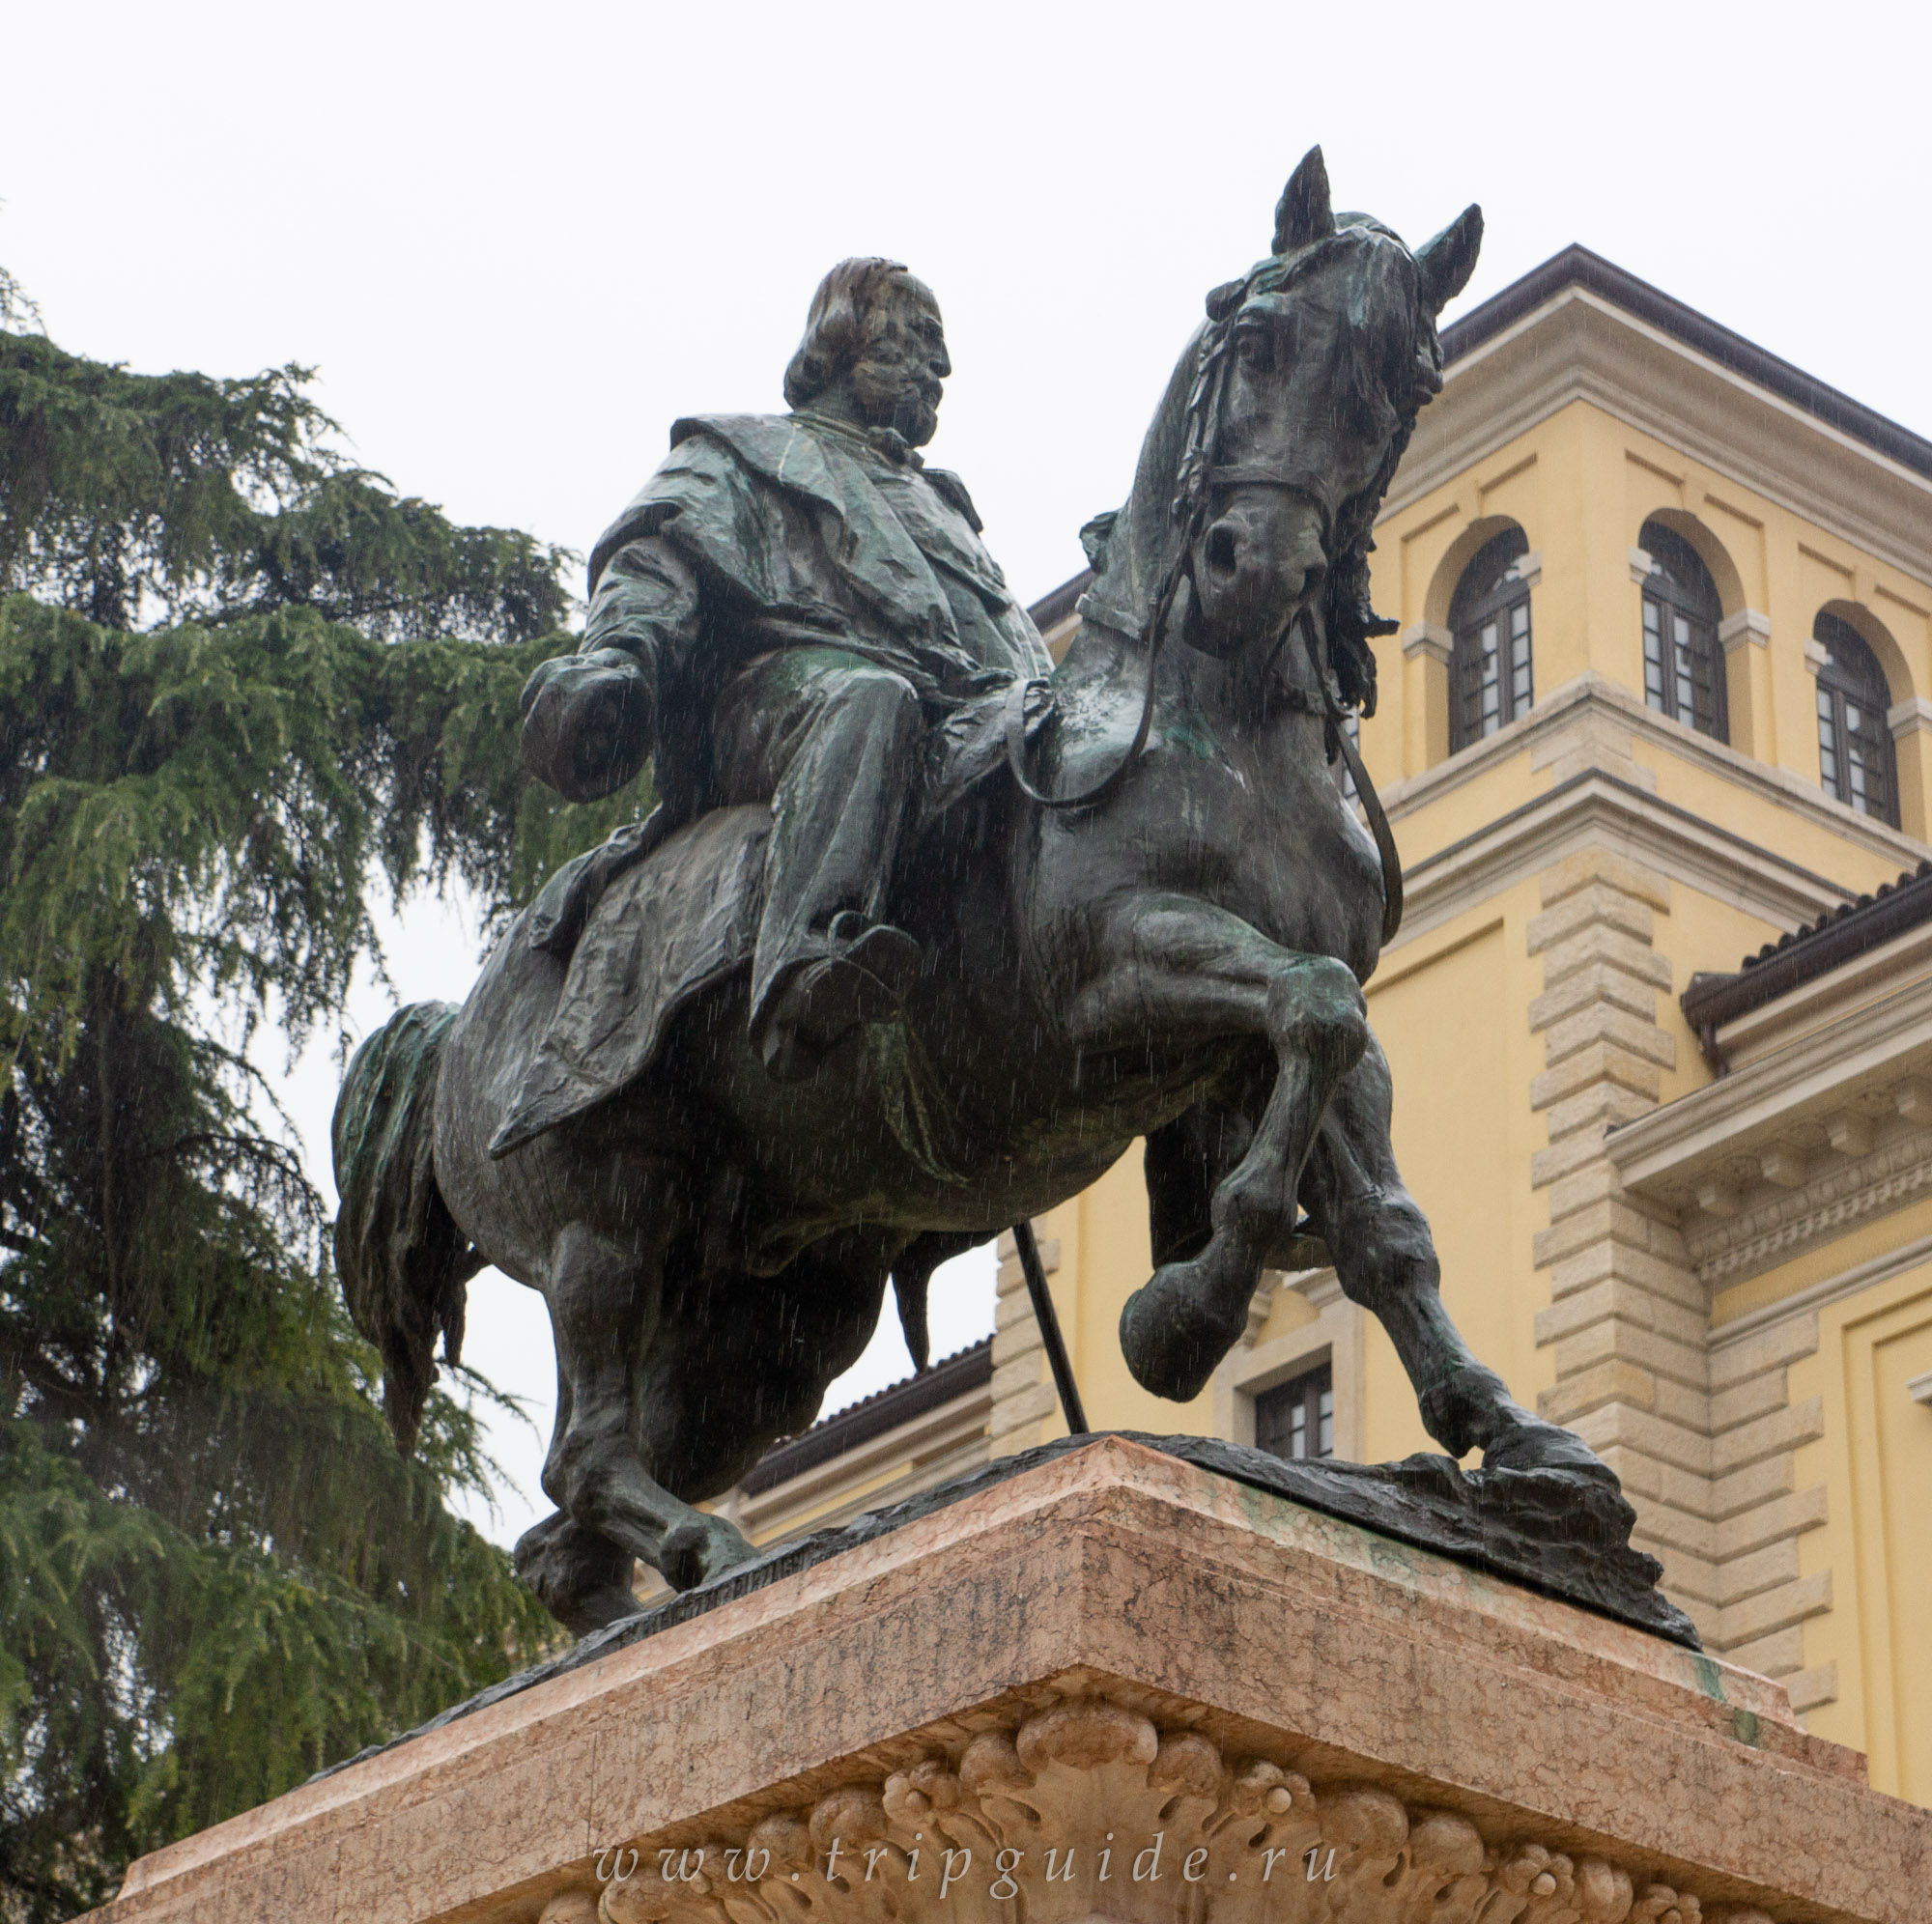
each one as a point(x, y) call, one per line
point(1252, 1366)
point(1579, 345)
point(1774, 1231)
point(1277, 1632)
point(1824, 1131)
point(1911, 716)
point(1642, 565)
point(1816, 654)
point(1590, 809)
point(1748, 1038)
point(1429, 638)
point(1192, 1834)
point(1891, 1037)
point(930, 1449)
point(1747, 625)
point(1833, 1290)
point(1568, 730)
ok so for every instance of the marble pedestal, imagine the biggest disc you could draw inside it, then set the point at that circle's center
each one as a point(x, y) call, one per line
point(1114, 1686)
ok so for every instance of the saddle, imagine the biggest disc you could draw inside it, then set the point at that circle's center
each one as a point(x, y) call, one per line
point(664, 910)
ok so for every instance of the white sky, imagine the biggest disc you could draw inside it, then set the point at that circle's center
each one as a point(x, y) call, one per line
point(518, 241)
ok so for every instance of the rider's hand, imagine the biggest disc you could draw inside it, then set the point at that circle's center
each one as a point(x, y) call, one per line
point(588, 723)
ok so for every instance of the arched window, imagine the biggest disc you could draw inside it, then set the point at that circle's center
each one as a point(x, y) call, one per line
point(1682, 665)
point(1854, 754)
point(1490, 665)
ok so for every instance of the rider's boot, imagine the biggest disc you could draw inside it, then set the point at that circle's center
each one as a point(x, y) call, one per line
point(864, 977)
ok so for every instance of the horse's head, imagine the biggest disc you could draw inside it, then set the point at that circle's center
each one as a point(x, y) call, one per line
point(1307, 380)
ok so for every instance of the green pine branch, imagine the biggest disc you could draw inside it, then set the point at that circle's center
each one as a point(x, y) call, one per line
point(243, 684)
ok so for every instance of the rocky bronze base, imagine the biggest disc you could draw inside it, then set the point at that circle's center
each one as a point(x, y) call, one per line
point(1565, 1532)
point(1107, 1684)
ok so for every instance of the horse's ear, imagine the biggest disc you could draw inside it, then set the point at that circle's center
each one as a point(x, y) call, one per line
point(1304, 212)
point(1447, 261)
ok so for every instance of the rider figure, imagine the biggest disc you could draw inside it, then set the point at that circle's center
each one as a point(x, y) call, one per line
point(780, 615)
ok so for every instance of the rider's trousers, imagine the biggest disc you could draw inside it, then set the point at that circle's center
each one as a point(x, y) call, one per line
point(831, 742)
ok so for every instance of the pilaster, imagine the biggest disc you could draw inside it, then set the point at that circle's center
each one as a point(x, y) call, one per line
point(1023, 1393)
point(1758, 1511)
point(1425, 649)
point(1700, 1428)
point(1745, 636)
point(1627, 1319)
point(1911, 725)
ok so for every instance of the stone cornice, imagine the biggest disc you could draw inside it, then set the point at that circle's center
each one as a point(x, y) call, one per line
point(1591, 694)
point(1577, 265)
point(1321, 1653)
point(1724, 1253)
point(1579, 346)
point(1833, 1290)
point(1596, 806)
point(1885, 1041)
point(1792, 1149)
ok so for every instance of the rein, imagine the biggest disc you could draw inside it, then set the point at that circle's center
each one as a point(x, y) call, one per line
point(1197, 475)
point(1016, 700)
point(1333, 714)
point(1372, 803)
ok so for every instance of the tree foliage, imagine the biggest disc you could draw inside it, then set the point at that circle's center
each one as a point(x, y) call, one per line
point(130, 498)
point(241, 683)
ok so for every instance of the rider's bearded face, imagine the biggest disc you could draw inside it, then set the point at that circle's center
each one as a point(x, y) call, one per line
point(895, 381)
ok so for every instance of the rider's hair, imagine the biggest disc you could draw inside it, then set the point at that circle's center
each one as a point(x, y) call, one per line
point(833, 326)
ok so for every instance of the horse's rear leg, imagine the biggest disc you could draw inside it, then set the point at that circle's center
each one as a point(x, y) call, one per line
point(1386, 1260)
point(606, 1305)
point(1192, 971)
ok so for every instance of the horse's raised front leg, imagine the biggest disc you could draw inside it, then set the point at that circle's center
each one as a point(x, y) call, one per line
point(605, 1292)
point(1385, 1260)
point(1184, 970)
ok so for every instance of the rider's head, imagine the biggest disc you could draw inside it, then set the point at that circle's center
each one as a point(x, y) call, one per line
point(874, 349)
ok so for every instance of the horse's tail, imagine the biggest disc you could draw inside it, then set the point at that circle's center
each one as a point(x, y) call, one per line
point(404, 1264)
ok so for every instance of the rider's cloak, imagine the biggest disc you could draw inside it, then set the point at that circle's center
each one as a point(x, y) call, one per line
point(773, 531)
point(759, 534)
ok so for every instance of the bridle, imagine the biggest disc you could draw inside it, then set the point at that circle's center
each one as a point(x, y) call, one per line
point(1198, 477)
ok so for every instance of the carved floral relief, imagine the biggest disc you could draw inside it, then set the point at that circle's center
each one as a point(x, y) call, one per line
point(1088, 1810)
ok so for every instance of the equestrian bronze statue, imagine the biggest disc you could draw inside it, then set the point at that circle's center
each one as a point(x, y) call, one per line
point(923, 932)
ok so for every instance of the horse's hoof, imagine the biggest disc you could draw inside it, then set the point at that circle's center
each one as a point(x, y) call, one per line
point(1536, 1445)
point(695, 1551)
point(581, 1578)
point(1171, 1338)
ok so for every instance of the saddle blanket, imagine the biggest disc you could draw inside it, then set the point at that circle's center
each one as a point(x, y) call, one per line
point(651, 920)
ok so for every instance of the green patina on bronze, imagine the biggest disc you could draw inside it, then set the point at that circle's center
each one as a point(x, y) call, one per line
point(863, 992)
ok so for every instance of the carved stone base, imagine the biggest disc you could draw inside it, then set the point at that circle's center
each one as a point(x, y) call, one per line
point(1117, 1685)
point(1093, 1809)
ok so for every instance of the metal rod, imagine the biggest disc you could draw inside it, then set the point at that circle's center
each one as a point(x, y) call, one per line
point(1049, 1329)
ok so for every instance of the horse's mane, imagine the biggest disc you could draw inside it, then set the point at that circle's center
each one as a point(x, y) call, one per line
point(1133, 551)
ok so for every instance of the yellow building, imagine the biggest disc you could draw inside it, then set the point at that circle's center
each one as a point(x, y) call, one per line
point(1662, 697)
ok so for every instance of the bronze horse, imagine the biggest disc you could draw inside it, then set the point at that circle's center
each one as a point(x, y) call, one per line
point(1176, 956)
